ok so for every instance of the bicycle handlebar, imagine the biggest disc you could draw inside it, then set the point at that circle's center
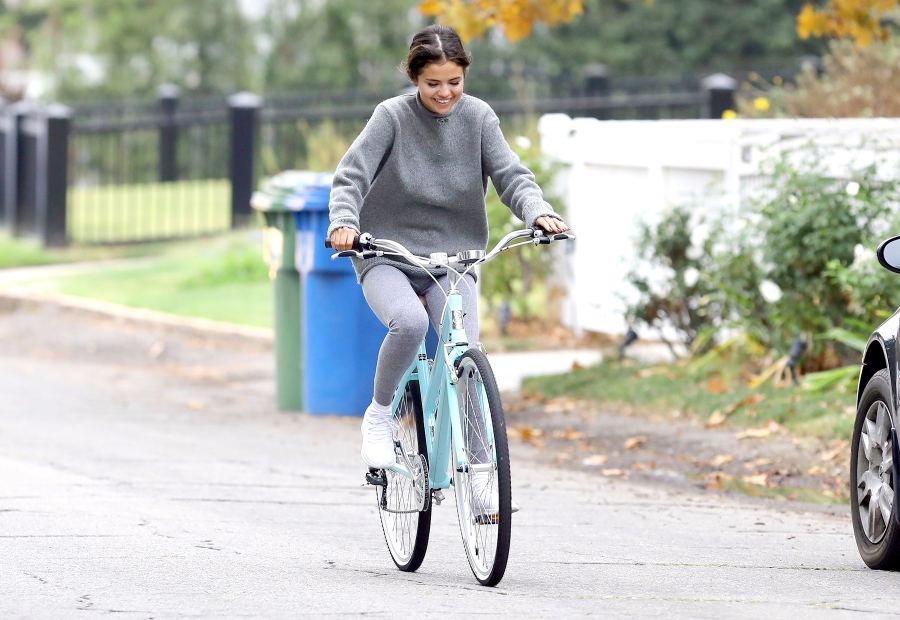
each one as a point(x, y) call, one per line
point(365, 246)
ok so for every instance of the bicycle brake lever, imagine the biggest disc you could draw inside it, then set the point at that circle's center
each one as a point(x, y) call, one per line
point(344, 254)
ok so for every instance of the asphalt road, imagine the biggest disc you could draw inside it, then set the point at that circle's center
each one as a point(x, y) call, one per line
point(149, 475)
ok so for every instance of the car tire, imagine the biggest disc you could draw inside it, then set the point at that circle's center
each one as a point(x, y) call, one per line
point(879, 547)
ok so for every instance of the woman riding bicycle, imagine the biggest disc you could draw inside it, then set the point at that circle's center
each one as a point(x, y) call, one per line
point(417, 174)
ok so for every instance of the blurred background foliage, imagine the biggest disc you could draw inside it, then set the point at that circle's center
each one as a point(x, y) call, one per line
point(93, 49)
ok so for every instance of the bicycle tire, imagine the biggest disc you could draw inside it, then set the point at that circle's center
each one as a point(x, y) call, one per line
point(406, 534)
point(486, 537)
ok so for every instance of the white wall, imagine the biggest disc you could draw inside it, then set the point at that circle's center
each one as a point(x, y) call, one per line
point(618, 173)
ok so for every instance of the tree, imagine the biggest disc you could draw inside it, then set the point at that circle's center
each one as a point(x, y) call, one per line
point(516, 18)
point(860, 20)
point(93, 49)
point(339, 44)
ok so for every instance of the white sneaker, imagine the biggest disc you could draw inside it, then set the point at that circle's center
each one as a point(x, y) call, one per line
point(485, 495)
point(378, 440)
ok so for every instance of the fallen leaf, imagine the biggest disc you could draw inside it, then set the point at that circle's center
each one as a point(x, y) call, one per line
point(633, 443)
point(838, 452)
point(527, 433)
point(815, 470)
point(650, 372)
point(753, 433)
point(559, 405)
point(757, 479)
point(639, 466)
point(576, 365)
point(717, 480)
point(569, 434)
point(757, 433)
point(721, 459)
point(612, 472)
point(156, 349)
point(762, 462)
point(562, 457)
point(595, 459)
point(715, 385)
point(716, 419)
point(196, 405)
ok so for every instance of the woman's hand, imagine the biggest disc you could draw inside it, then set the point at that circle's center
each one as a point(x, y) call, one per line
point(342, 238)
point(550, 224)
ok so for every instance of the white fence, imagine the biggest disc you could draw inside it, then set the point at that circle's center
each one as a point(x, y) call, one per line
point(617, 173)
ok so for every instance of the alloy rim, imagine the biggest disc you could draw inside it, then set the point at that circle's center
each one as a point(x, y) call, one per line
point(875, 473)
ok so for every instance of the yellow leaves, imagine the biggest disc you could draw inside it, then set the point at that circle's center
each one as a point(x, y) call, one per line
point(516, 18)
point(761, 104)
point(430, 8)
point(859, 20)
point(729, 115)
point(811, 22)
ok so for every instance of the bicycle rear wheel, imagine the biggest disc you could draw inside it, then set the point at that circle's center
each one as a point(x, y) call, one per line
point(483, 493)
point(406, 527)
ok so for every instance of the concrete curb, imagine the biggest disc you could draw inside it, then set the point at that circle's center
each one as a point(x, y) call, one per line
point(12, 299)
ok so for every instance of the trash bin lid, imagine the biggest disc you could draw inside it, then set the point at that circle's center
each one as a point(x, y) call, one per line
point(294, 190)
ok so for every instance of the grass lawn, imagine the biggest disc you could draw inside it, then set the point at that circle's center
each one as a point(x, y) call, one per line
point(28, 252)
point(148, 210)
point(221, 278)
point(681, 387)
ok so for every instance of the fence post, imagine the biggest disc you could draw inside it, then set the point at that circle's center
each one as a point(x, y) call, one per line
point(596, 84)
point(244, 120)
point(720, 89)
point(52, 176)
point(14, 118)
point(168, 132)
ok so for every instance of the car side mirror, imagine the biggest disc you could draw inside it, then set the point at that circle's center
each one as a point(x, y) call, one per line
point(889, 254)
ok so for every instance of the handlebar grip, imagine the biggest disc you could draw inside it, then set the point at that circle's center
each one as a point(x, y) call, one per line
point(357, 247)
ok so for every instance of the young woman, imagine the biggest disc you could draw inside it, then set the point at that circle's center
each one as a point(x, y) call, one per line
point(417, 174)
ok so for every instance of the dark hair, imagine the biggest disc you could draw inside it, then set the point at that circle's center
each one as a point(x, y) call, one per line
point(434, 44)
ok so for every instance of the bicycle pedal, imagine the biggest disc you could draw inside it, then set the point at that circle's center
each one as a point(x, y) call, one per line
point(376, 477)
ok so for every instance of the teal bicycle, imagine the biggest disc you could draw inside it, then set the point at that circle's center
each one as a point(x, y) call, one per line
point(449, 429)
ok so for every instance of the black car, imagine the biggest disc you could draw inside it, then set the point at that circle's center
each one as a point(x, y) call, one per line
point(874, 452)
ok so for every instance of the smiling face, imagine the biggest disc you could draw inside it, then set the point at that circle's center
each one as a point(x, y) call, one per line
point(440, 86)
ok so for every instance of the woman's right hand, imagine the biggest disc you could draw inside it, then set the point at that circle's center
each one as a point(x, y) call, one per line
point(342, 238)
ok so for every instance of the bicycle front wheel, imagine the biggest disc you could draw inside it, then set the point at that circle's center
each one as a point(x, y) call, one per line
point(404, 504)
point(482, 488)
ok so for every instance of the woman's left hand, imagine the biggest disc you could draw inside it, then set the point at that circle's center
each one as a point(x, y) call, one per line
point(550, 224)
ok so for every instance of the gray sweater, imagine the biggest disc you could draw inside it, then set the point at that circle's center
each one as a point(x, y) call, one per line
point(420, 178)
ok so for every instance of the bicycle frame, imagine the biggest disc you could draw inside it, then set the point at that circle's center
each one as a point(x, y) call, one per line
point(437, 386)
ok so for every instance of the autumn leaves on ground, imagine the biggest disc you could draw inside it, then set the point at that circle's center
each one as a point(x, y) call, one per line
point(712, 428)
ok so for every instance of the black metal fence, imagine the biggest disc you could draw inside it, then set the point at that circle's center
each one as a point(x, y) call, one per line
point(132, 171)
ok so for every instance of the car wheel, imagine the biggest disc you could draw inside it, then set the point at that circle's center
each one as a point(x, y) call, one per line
point(873, 502)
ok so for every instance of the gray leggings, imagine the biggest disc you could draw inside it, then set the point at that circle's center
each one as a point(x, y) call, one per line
point(394, 298)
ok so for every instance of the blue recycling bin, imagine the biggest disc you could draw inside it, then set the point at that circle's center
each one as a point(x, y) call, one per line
point(339, 335)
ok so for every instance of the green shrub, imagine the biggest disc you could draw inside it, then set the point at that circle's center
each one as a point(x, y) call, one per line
point(806, 236)
point(515, 275)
